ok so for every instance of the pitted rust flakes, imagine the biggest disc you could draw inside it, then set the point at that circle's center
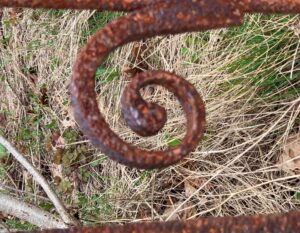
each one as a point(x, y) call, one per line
point(149, 18)
point(284, 223)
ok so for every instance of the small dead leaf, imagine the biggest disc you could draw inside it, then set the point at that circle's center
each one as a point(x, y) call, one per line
point(13, 16)
point(69, 120)
point(57, 180)
point(57, 172)
point(296, 29)
point(57, 158)
point(137, 60)
point(54, 138)
point(129, 72)
point(170, 214)
point(60, 142)
point(189, 189)
point(289, 160)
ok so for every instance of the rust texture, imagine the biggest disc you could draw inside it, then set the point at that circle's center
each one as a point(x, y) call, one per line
point(285, 223)
point(149, 18)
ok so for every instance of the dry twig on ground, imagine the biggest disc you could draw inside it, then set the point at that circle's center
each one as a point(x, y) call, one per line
point(29, 213)
point(42, 181)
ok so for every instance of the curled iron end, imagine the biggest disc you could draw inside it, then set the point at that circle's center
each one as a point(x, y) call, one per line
point(146, 119)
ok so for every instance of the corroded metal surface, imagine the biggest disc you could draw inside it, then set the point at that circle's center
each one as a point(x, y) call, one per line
point(148, 18)
point(285, 223)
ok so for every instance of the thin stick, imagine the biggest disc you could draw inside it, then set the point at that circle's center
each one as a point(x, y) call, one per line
point(42, 181)
point(29, 213)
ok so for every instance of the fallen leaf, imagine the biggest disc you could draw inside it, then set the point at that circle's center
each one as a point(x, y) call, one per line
point(289, 160)
point(13, 16)
point(68, 120)
point(58, 155)
point(57, 172)
point(170, 214)
point(189, 189)
point(60, 142)
point(137, 60)
point(54, 138)
point(185, 211)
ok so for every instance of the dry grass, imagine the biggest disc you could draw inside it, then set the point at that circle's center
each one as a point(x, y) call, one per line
point(249, 80)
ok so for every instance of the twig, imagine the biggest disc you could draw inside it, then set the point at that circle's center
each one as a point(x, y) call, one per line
point(29, 213)
point(42, 181)
point(6, 188)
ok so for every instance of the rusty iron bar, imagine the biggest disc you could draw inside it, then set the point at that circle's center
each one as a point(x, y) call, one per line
point(149, 18)
point(284, 223)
